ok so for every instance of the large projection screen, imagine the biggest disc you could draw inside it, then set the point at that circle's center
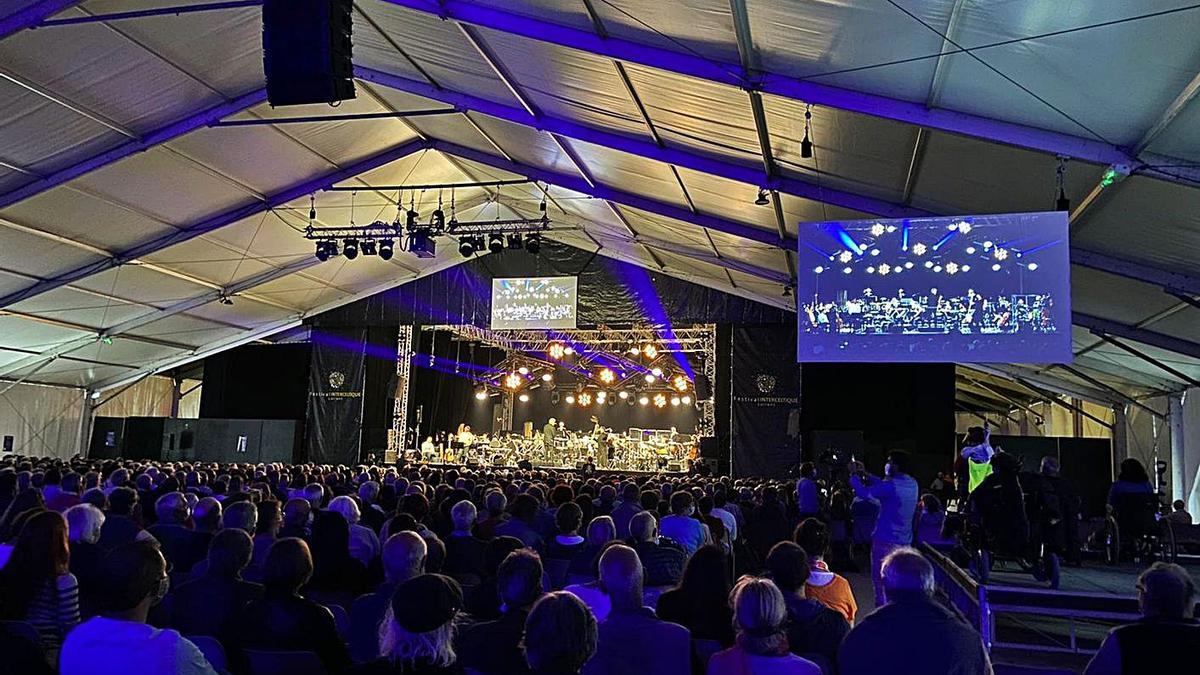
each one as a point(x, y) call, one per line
point(966, 289)
point(534, 302)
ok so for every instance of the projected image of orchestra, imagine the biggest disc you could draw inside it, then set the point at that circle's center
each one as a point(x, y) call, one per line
point(547, 302)
point(968, 289)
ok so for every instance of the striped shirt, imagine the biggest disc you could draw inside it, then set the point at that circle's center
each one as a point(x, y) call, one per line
point(54, 609)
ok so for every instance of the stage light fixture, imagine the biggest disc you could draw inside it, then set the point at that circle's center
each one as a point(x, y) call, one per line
point(884, 269)
point(533, 242)
point(870, 270)
point(644, 400)
point(937, 268)
point(480, 393)
point(623, 395)
point(386, 249)
point(570, 399)
point(496, 243)
point(847, 270)
point(224, 300)
point(585, 399)
point(368, 247)
point(964, 227)
point(818, 269)
point(1062, 203)
point(891, 228)
point(466, 247)
point(874, 251)
point(601, 397)
point(650, 351)
point(965, 268)
point(970, 250)
point(681, 383)
point(845, 256)
point(660, 401)
point(350, 248)
point(686, 400)
point(996, 267)
point(657, 372)
point(650, 378)
point(762, 199)
point(514, 242)
point(607, 376)
point(675, 400)
point(1001, 254)
point(322, 251)
point(919, 249)
point(523, 370)
point(877, 230)
point(568, 350)
point(547, 377)
point(554, 398)
point(634, 351)
point(928, 264)
point(513, 380)
point(806, 144)
point(951, 268)
point(1032, 267)
point(438, 218)
point(908, 265)
point(556, 351)
point(523, 398)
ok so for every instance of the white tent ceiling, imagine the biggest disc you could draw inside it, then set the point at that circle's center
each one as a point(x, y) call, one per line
point(125, 217)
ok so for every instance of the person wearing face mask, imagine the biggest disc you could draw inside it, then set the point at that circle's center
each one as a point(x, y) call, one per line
point(135, 576)
point(681, 526)
point(897, 494)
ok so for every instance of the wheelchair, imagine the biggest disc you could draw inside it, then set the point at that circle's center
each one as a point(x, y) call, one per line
point(1133, 531)
point(1014, 532)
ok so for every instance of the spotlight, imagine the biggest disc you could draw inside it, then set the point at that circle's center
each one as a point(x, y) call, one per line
point(466, 247)
point(686, 400)
point(877, 230)
point(523, 370)
point(681, 383)
point(323, 251)
point(634, 350)
point(650, 379)
point(964, 227)
point(644, 400)
point(570, 399)
point(657, 372)
point(523, 398)
point(350, 248)
point(928, 264)
point(874, 251)
point(908, 265)
point(438, 219)
point(650, 351)
point(787, 288)
point(556, 351)
point(1001, 254)
point(987, 245)
point(513, 380)
point(585, 399)
point(547, 377)
point(568, 350)
point(607, 376)
point(1032, 267)
point(970, 250)
point(601, 397)
point(919, 249)
point(996, 267)
point(884, 269)
point(870, 270)
point(818, 269)
point(951, 268)
point(622, 394)
point(660, 401)
point(1062, 203)
point(413, 219)
point(367, 247)
point(554, 398)
point(224, 300)
point(965, 268)
point(762, 199)
point(533, 243)
point(385, 249)
point(675, 400)
point(514, 242)
point(480, 393)
point(496, 243)
point(845, 256)
point(847, 270)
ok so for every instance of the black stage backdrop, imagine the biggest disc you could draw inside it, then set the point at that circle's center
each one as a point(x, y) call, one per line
point(766, 400)
point(335, 396)
point(256, 382)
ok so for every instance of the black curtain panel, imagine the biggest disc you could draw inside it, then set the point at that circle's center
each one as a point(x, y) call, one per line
point(765, 378)
point(335, 396)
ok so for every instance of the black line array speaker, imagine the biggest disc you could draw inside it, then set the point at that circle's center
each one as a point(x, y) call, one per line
point(703, 387)
point(307, 51)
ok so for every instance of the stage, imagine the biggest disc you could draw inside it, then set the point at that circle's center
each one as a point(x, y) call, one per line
point(492, 467)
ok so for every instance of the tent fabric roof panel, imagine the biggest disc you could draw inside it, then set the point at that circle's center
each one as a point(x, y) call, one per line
point(36, 256)
point(91, 220)
point(41, 136)
point(1146, 220)
point(1113, 297)
point(702, 27)
point(74, 306)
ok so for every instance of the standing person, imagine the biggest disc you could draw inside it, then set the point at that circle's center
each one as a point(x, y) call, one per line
point(1166, 633)
point(37, 585)
point(560, 635)
point(897, 496)
point(633, 640)
point(135, 576)
point(912, 633)
point(808, 493)
point(760, 616)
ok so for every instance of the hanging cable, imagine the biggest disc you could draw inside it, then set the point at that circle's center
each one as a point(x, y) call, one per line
point(1060, 180)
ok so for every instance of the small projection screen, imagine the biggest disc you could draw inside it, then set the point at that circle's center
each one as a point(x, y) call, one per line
point(534, 302)
point(967, 289)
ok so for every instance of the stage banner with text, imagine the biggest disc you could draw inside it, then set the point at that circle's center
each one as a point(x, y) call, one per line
point(335, 395)
point(766, 400)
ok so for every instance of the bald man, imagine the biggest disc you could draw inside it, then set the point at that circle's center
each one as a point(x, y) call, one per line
point(633, 641)
point(403, 559)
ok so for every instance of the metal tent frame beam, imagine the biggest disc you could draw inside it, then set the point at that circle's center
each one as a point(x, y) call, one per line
point(730, 74)
point(1102, 327)
point(690, 159)
point(1169, 281)
point(33, 15)
point(216, 222)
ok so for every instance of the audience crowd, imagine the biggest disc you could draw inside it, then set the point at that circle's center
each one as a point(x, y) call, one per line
point(152, 567)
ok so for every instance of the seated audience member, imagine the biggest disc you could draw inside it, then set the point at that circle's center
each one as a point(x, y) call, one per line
point(812, 628)
point(403, 559)
point(629, 506)
point(297, 514)
point(560, 635)
point(63, 492)
point(240, 516)
point(1167, 632)
point(681, 526)
point(483, 602)
point(26, 500)
point(337, 577)
point(182, 547)
point(266, 530)
point(768, 523)
point(567, 544)
point(84, 523)
point(663, 558)
point(632, 640)
point(373, 515)
point(419, 636)
point(930, 519)
point(119, 640)
point(364, 543)
point(700, 602)
point(120, 522)
point(1132, 479)
point(521, 525)
point(464, 551)
point(760, 617)
point(209, 605)
point(720, 510)
point(600, 532)
point(495, 646)
point(1179, 514)
point(206, 515)
point(495, 502)
point(912, 633)
point(37, 585)
point(282, 620)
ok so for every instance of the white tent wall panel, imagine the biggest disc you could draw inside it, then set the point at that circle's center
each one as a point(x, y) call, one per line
point(437, 46)
point(125, 351)
point(1146, 220)
point(629, 173)
point(43, 421)
point(344, 141)
point(262, 159)
point(186, 329)
point(1182, 324)
point(150, 397)
point(567, 83)
point(566, 12)
point(135, 281)
point(666, 229)
point(98, 70)
point(962, 175)
point(189, 402)
point(798, 210)
point(1138, 82)
point(807, 39)
point(25, 334)
point(243, 312)
point(41, 136)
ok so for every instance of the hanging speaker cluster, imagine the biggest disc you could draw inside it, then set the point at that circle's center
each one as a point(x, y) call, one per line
point(307, 51)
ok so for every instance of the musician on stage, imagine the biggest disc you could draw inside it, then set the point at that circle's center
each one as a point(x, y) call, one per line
point(428, 450)
point(548, 433)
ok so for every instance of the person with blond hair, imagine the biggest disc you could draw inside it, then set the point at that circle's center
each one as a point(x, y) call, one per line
point(761, 648)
